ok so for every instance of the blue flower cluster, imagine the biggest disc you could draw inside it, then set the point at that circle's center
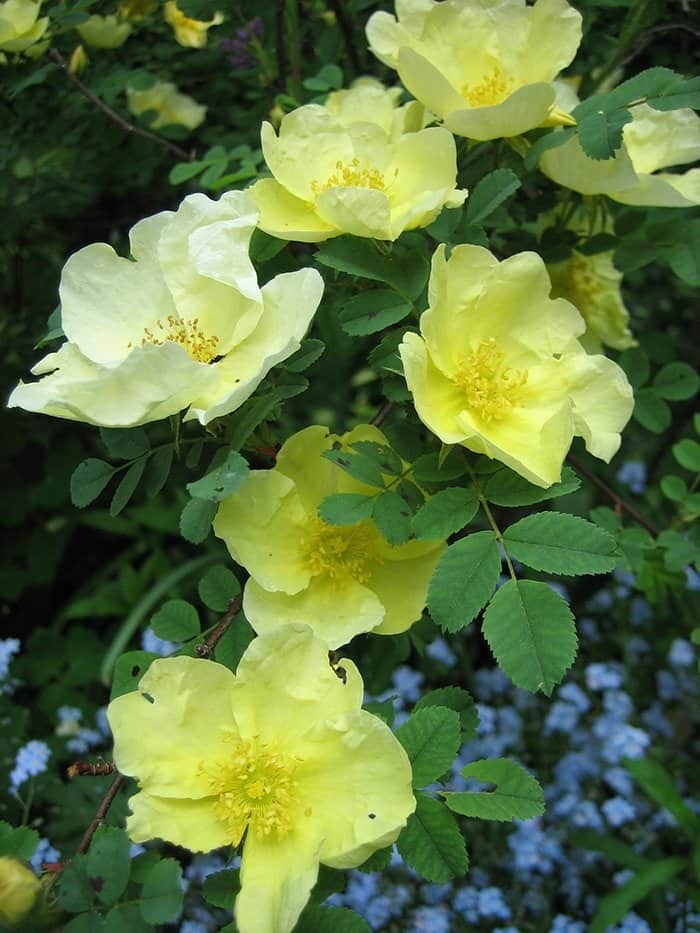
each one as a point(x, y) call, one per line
point(31, 761)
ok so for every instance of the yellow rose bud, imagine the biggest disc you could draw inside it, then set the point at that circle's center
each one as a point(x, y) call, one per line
point(189, 32)
point(19, 889)
point(171, 107)
point(20, 26)
point(78, 61)
point(104, 32)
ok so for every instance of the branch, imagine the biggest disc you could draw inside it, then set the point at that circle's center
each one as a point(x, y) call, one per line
point(113, 115)
point(620, 504)
point(382, 414)
point(99, 817)
point(206, 648)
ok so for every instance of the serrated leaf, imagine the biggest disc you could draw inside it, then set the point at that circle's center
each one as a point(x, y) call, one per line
point(370, 312)
point(556, 542)
point(126, 918)
point(88, 480)
point(614, 906)
point(676, 382)
point(387, 459)
point(405, 270)
point(392, 517)
point(516, 796)
point(490, 193)
point(176, 620)
point(431, 738)
point(445, 513)
point(220, 483)
point(127, 487)
point(218, 587)
point(307, 354)
point(75, 893)
point(456, 699)
point(431, 842)
point(158, 470)
point(651, 411)
point(379, 861)
point(680, 94)
point(431, 468)
point(504, 487)
point(317, 919)
point(530, 630)
point(687, 453)
point(162, 894)
point(358, 465)
point(345, 508)
point(20, 841)
point(125, 443)
point(464, 580)
point(221, 887)
point(129, 670)
point(109, 863)
point(600, 133)
point(84, 923)
point(196, 519)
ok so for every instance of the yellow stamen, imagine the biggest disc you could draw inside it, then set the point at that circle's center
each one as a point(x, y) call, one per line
point(492, 89)
point(344, 553)
point(352, 175)
point(490, 390)
point(187, 333)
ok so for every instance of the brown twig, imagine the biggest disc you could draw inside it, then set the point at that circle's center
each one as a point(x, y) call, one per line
point(113, 115)
point(206, 648)
point(99, 768)
point(620, 504)
point(382, 414)
point(99, 817)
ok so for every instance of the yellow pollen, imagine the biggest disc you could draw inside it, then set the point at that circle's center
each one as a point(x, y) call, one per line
point(344, 553)
point(490, 389)
point(352, 175)
point(255, 789)
point(491, 90)
point(187, 333)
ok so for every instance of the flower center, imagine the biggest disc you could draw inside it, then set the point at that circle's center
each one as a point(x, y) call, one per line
point(187, 333)
point(491, 90)
point(344, 553)
point(490, 389)
point(255, 788)
point(352, 174)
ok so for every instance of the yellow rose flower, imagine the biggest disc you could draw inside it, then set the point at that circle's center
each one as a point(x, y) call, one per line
point(19, 889)
point(332, 178)
point(341, 580)
point(499, 368)
point(192, 33)
point(171, 107)
point(372, 102)
point(20, 26)
point(485, 67)
point(281, 752)
point(653, 140)
point(184, 325)
point(105, 32)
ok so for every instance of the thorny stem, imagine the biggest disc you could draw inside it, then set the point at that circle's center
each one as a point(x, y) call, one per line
point(206, 648)
point(114, 116)
point(491, 520)
point(620, 504)
point(100, 814)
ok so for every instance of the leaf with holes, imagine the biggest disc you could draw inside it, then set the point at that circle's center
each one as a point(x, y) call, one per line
point(129, 670)
point(431, 738)
point(516, 796)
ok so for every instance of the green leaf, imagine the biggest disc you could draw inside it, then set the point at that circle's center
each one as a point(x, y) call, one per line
point(358, 465)
point(232, 645)
point(683, 93)
point(464, 580)
point(430, 468)
point(176, 620)
point(158, 471)
point(88, 480)
point(221, 887)
point(635, 363)
point(551, 140)
point(218, 587)
point(183, 171)
point(456, 699)
point(20, 841)
point(556, 542)
point(392, 517)
point(445, 513)
point(370, 312)
point(379, 861)
point(162, 894)
point(676, 382)
point(405, 270)
point(317, 919)
point(127, 487)
point(516, 796)
point(221, 482)
point(651, 411)
point(531, 633)
point(329, 78)
point(109, 863)
point(674, 488)
point(125, 443)
point(129, 670)
point(687, 453)
point(614, 906)
point(490, 193)
point(307, 354)
point(84, 923)
point(600, 133)
point(431, 738)
point(75, 893)
point(431, 842)
point(504, 487)
point(345, 508)
point(126, 918)
point(658, 784)
point(196, 519)
point(616, 851)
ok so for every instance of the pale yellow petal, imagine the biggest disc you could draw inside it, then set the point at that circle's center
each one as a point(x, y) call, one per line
point(662, 190)
point(402, 587)
point(554, 35)
point(523, 110)
point(181, 822)
point(438, 400)
point(361, 212)
point(569, 166)
point(427, 84)
point(602, 402)
point(658, 139)
point(285, 216)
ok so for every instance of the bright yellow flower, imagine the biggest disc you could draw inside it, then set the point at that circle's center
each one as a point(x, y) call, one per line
point(485, 67)
point(185, 325)
point(19, 889)
point(191, 33)
point(499, 368)
point(653, 140)
point(105, 32)
point(369, 100)
point(341, 580)
point(20, 26)
point(281, 752)
point(331, 178)
point(171, 107)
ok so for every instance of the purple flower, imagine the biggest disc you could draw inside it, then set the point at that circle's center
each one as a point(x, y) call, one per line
point(240, 48)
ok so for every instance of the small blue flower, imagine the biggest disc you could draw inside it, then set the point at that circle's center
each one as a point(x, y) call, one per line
point(487, 719)
point(492, 904)
point(430, 920)
point(194, 926)
point(633, 474)
point(622, 877)
point(203, 865)
point(632, 923)
point(640, 611)
point(151, 642)
point(561, 717)
point(625, 742)
point(601, 676)
point(440, 651)
point(667, 686)
point(44, 852)
point(586, 816)
point(618, 811)
point(360, 889)
point(435, 893)
point(573, 694)
point(618, 703)
point(378, 912)
point(620, 780)
point(31, 760)
point(654, 719)
point(681, 653)
point(564, 924)
point(407, 683)
point(400, 895)
point(466, 904)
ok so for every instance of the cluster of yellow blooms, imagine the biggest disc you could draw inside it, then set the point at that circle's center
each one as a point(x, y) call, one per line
point(281, 752)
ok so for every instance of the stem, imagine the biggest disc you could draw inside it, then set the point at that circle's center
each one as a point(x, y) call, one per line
point(100, 814)
point(142, 608)
point(114, 116)
point(381, 415)
point(206, 648)
point(620, 504)
point(491, 520)
point(345, 25)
